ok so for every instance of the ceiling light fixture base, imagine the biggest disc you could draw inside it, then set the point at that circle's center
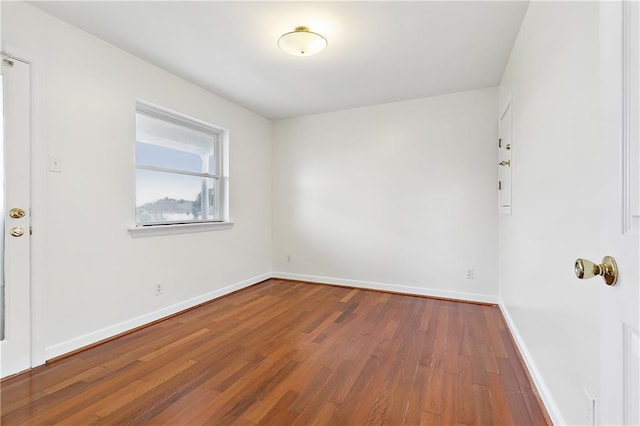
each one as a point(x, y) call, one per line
point(302, 42)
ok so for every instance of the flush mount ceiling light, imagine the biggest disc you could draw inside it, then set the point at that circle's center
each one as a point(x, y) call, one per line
point(302, 42)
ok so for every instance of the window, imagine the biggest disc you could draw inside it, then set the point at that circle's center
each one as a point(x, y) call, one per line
point(179, 169)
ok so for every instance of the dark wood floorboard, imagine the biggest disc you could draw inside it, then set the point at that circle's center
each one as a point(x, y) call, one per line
point(292, 353)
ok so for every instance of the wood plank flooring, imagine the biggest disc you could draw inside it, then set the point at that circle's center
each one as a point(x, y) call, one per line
point(291, 353)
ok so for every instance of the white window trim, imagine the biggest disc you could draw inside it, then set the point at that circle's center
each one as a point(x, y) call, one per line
point(222, 155)
point(178, 228)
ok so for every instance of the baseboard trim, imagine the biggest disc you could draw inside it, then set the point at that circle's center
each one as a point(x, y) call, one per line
point(543, 391)
point(106, 333)
point(394, 288)
point(89, 339)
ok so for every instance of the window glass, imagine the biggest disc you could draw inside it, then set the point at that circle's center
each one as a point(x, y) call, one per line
point(177, 169)
point(212, 161)
point(154, 155)
point(176, 198)
point(169, 137)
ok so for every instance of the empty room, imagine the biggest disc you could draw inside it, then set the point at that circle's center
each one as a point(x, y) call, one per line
point(327, 213)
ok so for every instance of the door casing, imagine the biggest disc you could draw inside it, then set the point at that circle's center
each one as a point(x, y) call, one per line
point(38, 191)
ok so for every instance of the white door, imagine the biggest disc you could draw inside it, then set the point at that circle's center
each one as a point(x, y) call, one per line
point(504, 162)
point(15, 347)
point(619, 398)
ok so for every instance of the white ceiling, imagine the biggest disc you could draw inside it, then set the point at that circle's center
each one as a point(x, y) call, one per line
point(378, 51)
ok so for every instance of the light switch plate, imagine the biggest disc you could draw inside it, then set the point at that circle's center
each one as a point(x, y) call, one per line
point(55, 164)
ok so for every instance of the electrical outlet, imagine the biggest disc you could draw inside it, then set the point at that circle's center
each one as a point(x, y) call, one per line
point(288, 258)
point(159, 288)
point(470, 273)
point(589, 408)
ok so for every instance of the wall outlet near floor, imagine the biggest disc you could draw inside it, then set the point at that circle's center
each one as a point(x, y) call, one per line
point(589, 408)
point(470, 273)
point(159, 288)
point(288, 258)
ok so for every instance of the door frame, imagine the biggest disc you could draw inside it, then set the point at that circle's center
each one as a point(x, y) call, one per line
point(38, 191)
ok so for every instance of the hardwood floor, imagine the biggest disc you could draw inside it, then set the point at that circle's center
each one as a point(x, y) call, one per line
point(290, 353)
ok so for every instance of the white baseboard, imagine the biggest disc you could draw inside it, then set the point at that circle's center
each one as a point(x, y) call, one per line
point(113, 330)
point(421, 291)
point(98, 335)
point(548, 401)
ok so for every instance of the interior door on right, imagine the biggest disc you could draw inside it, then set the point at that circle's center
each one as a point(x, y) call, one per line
point(619, 398)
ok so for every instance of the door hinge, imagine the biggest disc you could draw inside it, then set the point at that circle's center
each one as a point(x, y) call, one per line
point(31, 230)
point(499, 185)
point(500, 143)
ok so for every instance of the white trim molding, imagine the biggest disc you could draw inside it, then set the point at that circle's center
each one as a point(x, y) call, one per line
point(410, 290)
point(631, 375)
point(121, 327)
point(630, 116)
point(124, 326)
point(548, 401)
point(178, 228)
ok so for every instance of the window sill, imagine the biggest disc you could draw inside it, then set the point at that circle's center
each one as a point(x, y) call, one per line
point(181, 228)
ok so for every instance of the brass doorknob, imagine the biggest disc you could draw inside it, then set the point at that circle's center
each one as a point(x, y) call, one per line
point(16, 213)
point(505, 163)
point(608, 269)
point(17, 232)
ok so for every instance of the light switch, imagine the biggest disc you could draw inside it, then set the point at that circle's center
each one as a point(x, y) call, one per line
point(55, 164)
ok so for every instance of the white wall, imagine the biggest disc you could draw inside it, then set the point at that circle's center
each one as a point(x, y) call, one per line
point(400, 196)
point(552, 77)
point(97, 279)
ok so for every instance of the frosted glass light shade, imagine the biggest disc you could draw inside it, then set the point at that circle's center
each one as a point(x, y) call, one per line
point(302, 42)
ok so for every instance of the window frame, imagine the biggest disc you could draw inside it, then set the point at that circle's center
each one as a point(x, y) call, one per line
point(221, 203)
